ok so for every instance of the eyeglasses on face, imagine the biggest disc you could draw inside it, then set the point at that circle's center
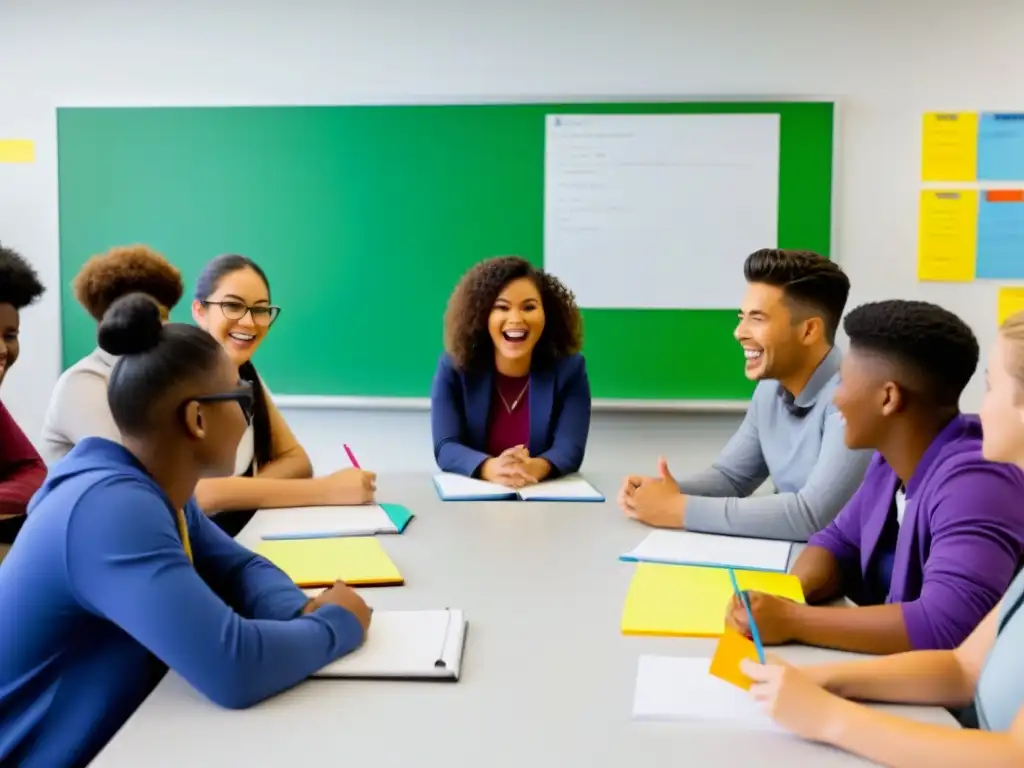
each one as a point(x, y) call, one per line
point(262, 314)
point(243, 396)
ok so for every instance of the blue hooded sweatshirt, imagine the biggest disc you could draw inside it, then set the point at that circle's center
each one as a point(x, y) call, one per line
point(98, 598)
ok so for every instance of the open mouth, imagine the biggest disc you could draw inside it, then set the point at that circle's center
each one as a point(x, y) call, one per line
point(752, 355)
point(515, 335)
point(242, 338)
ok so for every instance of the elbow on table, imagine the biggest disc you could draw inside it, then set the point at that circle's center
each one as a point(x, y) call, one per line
point(235, 689)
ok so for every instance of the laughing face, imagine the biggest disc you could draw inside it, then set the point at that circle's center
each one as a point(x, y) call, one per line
point(770, 339)
point(237, 314)
point(517, 321)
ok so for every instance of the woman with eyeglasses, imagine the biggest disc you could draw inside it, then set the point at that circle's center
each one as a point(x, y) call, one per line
point(78, 405)
point(117, 575)
point(232, 303)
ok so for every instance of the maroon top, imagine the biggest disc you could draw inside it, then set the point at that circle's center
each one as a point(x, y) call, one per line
point(504, 429)
point(22, 470)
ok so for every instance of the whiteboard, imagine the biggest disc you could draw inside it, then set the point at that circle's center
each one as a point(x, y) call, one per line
point(659, 211)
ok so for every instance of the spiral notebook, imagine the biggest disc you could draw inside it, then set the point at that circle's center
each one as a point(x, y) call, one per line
point(452, 487)
point(407, 645)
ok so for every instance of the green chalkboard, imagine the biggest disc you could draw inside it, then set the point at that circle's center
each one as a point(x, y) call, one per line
point(364, 217)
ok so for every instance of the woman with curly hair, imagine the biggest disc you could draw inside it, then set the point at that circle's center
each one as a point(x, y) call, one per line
point(510, 401)
point(21, 469)
point(78, 406)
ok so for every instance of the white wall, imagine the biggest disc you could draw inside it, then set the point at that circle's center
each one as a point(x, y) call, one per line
point(886, 61)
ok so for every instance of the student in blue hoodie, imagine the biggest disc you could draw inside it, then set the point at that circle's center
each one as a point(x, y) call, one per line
point(117, 575)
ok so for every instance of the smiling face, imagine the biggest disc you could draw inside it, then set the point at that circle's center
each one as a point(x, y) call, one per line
point(773, 344)
point(10, 347)
point(516, 321)
point(866, 398)
point(228, 313)
point(1002, 410)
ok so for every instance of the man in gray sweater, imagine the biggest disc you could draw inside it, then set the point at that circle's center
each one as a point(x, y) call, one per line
point(791, 432)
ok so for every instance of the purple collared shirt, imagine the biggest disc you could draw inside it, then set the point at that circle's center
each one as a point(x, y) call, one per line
point(959, 544)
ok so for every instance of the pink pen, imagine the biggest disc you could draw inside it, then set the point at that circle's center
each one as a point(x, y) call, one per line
point(352, 457)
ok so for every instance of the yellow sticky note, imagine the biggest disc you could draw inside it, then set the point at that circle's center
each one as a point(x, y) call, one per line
point(732, 648)
point(949, 146)
point(17, 151)
point(690, 601)
point(357, 560)
point(947, 235)
point(1010, 302)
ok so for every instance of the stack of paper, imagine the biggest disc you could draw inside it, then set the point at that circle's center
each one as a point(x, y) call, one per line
point(671, 688)
point(452, 487)
point(412, 645)
point(688, 601)
point(332, 522)
point(358, 561)
point(705, 549)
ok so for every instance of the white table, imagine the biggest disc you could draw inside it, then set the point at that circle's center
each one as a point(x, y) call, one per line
point(547, 679)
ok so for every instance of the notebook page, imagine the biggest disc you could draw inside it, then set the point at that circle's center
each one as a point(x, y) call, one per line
point(337, 521)
point(569, 487)
point(674, 688)
point(685, 547)
point(405, 644)
point(452, 486)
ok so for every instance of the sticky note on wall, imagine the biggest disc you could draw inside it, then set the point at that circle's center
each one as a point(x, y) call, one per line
point(947, 235)
point(1010, 302)
point(17, 151)
point(949, 146)
point(1001, 147)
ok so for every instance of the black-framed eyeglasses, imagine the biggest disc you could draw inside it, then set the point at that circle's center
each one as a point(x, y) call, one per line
point(243, 396)
point(262, 314)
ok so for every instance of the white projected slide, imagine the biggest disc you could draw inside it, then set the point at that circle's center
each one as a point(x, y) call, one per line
point(659, 211)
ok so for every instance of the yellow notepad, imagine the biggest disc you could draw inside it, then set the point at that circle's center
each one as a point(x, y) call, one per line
point(690, 601)
point(356, 560)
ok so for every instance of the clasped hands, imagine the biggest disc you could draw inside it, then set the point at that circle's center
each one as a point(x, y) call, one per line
point(656, 501)
point(515, 468)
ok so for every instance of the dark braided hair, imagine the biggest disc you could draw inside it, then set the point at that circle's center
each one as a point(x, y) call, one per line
point(209, 279)
point(927, 342)
point(810, 282)
point(467, 338)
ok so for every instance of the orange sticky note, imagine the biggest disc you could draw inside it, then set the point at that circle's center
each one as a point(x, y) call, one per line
point(725, 664)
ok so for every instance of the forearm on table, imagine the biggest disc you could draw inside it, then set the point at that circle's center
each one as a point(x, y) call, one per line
point(897, 741)
point(931, 678)
point(875, 629)
point(296, 466)
point(782, 516)
point(226, 494)
point(819, 573)
point(714, 483)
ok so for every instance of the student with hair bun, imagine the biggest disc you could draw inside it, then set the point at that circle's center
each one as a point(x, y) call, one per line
point(117, 574)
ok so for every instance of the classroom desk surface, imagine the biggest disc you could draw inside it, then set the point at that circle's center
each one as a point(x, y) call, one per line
point(547, 677)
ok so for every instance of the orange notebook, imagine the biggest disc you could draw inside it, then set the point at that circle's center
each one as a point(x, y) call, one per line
point(691, 601)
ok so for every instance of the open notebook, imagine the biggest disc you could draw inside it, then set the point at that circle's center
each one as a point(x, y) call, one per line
point(710, 550)
point(332, 522)
point(408, 645)
point(452, 487)
point(674, 688)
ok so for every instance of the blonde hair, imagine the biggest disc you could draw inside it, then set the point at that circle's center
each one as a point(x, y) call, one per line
point(1012, 330)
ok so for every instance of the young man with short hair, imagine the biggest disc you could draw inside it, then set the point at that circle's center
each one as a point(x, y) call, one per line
point(791, 432)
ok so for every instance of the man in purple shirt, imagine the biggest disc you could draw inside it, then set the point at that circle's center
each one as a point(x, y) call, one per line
point(934, 535)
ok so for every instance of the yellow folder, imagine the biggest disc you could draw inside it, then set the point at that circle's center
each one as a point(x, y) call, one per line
point(356, 560)
point(691, 601)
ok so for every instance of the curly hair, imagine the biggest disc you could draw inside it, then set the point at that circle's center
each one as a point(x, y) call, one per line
point(806, 279)
point(106, 277)
point(466, 336)
point(928, 342)
point(19, 283)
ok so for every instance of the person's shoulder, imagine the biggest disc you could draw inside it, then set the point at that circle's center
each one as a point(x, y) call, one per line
point(447, 367)
point(570, 365)
point(96, 366)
